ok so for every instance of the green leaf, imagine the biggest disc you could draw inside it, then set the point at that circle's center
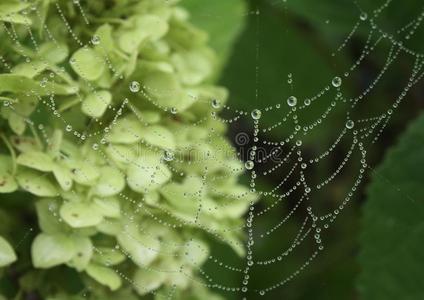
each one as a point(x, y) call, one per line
point(184, 197)
point(17, 123)
point(51, 250)
point(36, 160)
point(108, 207)
point(80, 214)
point(393, 224)
point(121, 154)
point(9, 12)
point(95, 105)
point(83, 253)
point(7, 254)
point(48, 216)
point(222, 20)
point(87, 64)
point(159, 136)
point(146, 27)
point(127, 130)
point(7, 181)
point(21, 84)
point(146, 280)
point(107, 42)
point(142, 248)
point(30, 69)
point(108, 256)
point(164, 89)
point(196, 252)
point(53, 52)
point(105, 276)
point(36, 183)
point(111, 182)
point(83, 172)
point(147, 173)
point(63, 176)
point(194, 66)
point(24, 143)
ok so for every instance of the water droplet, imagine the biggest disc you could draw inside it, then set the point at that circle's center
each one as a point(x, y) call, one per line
point(215, 103)
point(68, 128)
point(256, 114)
point(363, 16)
point(173, 110)
point(95, 147)
point(307, 102)
point(95, 39)
point(168, 155)
point(337, 82)
point(43, 82)
point(134, 86)
point(249, 165)
point(350, 124)
point(292, 101)
point(262, 293)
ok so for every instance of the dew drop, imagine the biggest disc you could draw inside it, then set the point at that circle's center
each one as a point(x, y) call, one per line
point(363, 16)
point(256, 114)
point(307, 102)
point(95, 39)
point(249, 165)
point(168, 155)
point(95, 147)
point(134, 86)
point(173, 110)
point(68, 128)
point(43, 82)
point(292, 101)
point(337, 82)
point(215, 103)
point(350, 124)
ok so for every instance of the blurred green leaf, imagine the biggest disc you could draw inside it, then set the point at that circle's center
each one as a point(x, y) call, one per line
point(223, 20)
point(270, 49)
point(393, 224)
point(7, 254)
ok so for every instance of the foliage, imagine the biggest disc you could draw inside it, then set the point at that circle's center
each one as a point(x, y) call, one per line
point(391, 239)
point(105, 122)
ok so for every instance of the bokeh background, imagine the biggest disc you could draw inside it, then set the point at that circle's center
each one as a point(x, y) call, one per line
point(374, 250)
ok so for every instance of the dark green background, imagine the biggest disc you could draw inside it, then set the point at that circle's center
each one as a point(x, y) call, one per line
point(374, 250)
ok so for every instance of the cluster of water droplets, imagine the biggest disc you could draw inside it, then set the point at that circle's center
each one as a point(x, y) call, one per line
point(314, 225)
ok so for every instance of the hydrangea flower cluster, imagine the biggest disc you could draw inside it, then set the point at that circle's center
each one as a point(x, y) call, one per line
point(108, 132)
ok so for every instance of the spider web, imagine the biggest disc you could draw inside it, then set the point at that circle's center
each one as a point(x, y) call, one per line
point(262, 158)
